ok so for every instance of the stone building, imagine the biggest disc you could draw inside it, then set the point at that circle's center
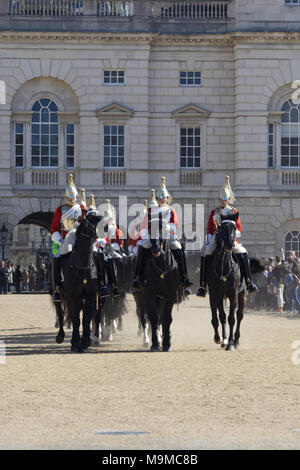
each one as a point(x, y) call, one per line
point(122, 92)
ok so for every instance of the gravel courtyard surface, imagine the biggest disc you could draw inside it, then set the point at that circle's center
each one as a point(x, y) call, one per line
point(120, 396)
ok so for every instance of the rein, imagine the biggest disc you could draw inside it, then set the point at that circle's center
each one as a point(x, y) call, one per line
point(74, 264)
point(160, 271)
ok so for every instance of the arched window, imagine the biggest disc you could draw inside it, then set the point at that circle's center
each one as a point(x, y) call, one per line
point(44, 134)
point(292, 243)
point(290, 135)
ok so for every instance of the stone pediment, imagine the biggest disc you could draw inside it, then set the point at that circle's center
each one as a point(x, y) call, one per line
point(116, 111)
point(191, 111)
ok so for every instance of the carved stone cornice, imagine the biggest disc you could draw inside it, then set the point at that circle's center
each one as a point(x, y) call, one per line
point(227, 39)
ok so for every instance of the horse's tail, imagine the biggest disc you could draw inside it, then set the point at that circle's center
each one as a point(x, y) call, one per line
point(256, 266)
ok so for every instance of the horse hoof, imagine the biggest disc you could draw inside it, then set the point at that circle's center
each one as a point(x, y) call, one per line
point(76, 349)
point(60, 338)
point(230, 347)
point(155, 349)
point(166, 348)
point(217, 340)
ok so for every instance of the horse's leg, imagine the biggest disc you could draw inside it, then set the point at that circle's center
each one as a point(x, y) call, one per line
point(60, 315)
point(239, 316)
point(222, 316)
point(74, 307)
point(95, 334)
point(231, 322)
point(166, 323)
point(214, 319)
point(154, 321)
point(88, 313)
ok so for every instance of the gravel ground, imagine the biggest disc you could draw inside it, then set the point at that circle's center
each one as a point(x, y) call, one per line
point(120, 396)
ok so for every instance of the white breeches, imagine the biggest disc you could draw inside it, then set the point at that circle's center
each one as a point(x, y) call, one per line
point(210, 247)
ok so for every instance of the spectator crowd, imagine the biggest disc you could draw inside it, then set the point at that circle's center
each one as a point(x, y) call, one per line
point(279, 286)
point(26, 279)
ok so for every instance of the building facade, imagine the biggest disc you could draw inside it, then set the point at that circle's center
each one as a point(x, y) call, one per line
point(122, 92)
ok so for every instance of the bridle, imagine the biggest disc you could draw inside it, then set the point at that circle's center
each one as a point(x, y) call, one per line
point(225, 251)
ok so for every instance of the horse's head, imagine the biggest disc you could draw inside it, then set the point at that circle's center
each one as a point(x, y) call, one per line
point(89, 224)
point(156, 247)
point(227, 232)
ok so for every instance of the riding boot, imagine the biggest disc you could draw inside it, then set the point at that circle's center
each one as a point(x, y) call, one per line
point(246, 272)
point(142, 255)
point(56, 280)
point(110, 271)
point(104, 290)
point(202, 289)
point(181, 263)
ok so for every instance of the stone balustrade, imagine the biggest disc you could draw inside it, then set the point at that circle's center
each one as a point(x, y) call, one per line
point(183, 10)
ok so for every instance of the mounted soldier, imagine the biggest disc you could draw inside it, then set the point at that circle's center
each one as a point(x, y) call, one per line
point(110, 246)
point(226, 198)
point(65, 219)
point(135, 237)
point(167, 217)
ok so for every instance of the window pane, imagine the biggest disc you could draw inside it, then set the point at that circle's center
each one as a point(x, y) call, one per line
point(70, 162)
point(70, 139)
point(70, 128)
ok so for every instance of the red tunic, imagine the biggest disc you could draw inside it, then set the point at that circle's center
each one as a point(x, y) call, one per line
point(118, 238)
point(170, 217)
point(56, 225)
point(211, 226)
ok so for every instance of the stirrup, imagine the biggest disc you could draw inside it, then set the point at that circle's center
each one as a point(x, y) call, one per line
point(187, 282)
point(56, 297)
point(201, 292)
point(251, 287)
point(104, 291)
point(116, 291)
point(135, 284)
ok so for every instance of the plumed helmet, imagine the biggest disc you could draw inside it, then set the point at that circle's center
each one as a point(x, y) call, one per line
point(162, 192)
point(153, 201)
point(109, 213)
point(82, 196)
point(71, 191)
point(226, 193)
point(91, 202)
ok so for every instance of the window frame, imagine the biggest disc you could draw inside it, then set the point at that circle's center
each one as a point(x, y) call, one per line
point(190, 126)
point(288, 136)
point(65, 124)
point(297, 240)
point(58, 124)
point(19, 167)
point(110, 76)
point(117, 124)
point(194, 78)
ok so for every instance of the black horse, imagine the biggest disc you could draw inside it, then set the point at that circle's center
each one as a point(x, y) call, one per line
point(225, 280)
point(161, 290)
point(80, 285)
